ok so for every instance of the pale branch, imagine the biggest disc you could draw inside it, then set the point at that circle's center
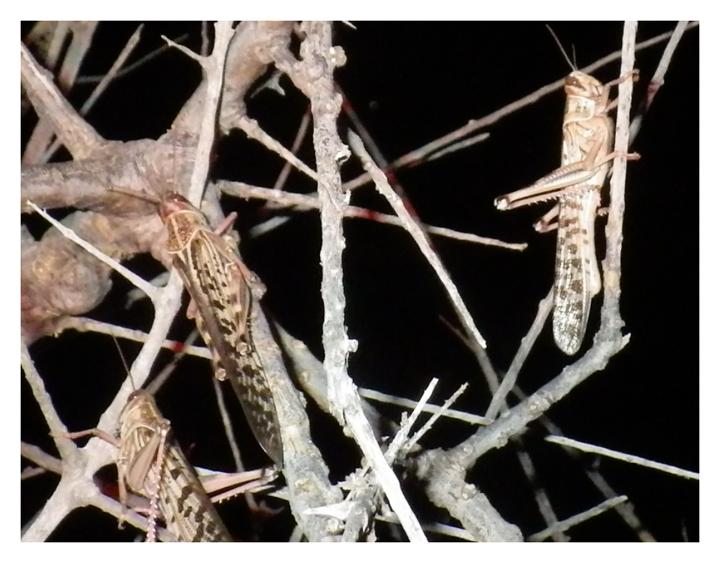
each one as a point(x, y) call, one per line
point(84, 324)
point(57, 428)
point(150, 290)
point(73, 131)
point(40, 458)
point(94, 96)
point(542, 499)
point(96, 78)
point(373, 395)
point(400, 439)
point(658, 78)
point(313, 76)
point(304, 468)
point(66, 72)
point(460, 145)
point(297, 142)
point(446, 487)
point(625, 510)
point(362, 503)
point(379, 159)
point(227, 426)
point(421, 240)
point(564, 525)
point(310, 373)
point(628, 458)
point(611, 322)
point(481, 517)
point(253, 130)
point(433, 527)
point(442, 411)
point(214, 69)
point(30, 472)
point(498, 401)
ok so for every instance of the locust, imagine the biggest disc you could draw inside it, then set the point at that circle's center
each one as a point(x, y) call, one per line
point(585, 163)
point(224, 294)
point(151, 464)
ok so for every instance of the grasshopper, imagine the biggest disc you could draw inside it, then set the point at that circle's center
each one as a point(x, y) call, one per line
point(586, 155)
point(151, 464)
point(224, 292)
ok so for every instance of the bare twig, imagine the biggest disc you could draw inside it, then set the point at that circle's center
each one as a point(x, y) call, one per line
point(150, 290)
point(658, 78)
point(441, 412)
point(577, 519)
point(526, 344)
point(433, 409)
point(251, 128)
point(101, 87)
point(590, 448)
point(57, 428)
point(84, 324)
point(214, 67)
point(41, 458)
point(400, 439)
point(416, 232)
point(93, 78)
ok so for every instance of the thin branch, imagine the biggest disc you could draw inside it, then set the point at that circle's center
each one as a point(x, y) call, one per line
point(590, 448)
point(57, 429)
point(542, 499)
point(40, 458)
point(100, 88)
point(150, 290)
point(625, 510)
point(611, 321)
point(460, 145)
point(658, 78)
point(214, 67)
point(508, 383)
point(251, 128)
point(84, 324)
point(433, 527)
point(441, 412)
point(227, 425)
point(577, 519)
point(433, 409)
point(94, 78)
point(416, 232)
point(297, 142)
point(72, 130)
point(400, 438)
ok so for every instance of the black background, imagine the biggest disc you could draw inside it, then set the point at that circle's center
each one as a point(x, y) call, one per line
point(411, 83)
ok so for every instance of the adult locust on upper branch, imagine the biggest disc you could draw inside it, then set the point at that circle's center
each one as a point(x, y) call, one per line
point(224, 292)
point(586, 155)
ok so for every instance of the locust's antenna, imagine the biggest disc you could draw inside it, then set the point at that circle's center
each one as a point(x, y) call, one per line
point(122, 357)
point(572, 66)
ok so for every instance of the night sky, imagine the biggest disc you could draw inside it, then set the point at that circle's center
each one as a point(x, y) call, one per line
point(411, 83)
